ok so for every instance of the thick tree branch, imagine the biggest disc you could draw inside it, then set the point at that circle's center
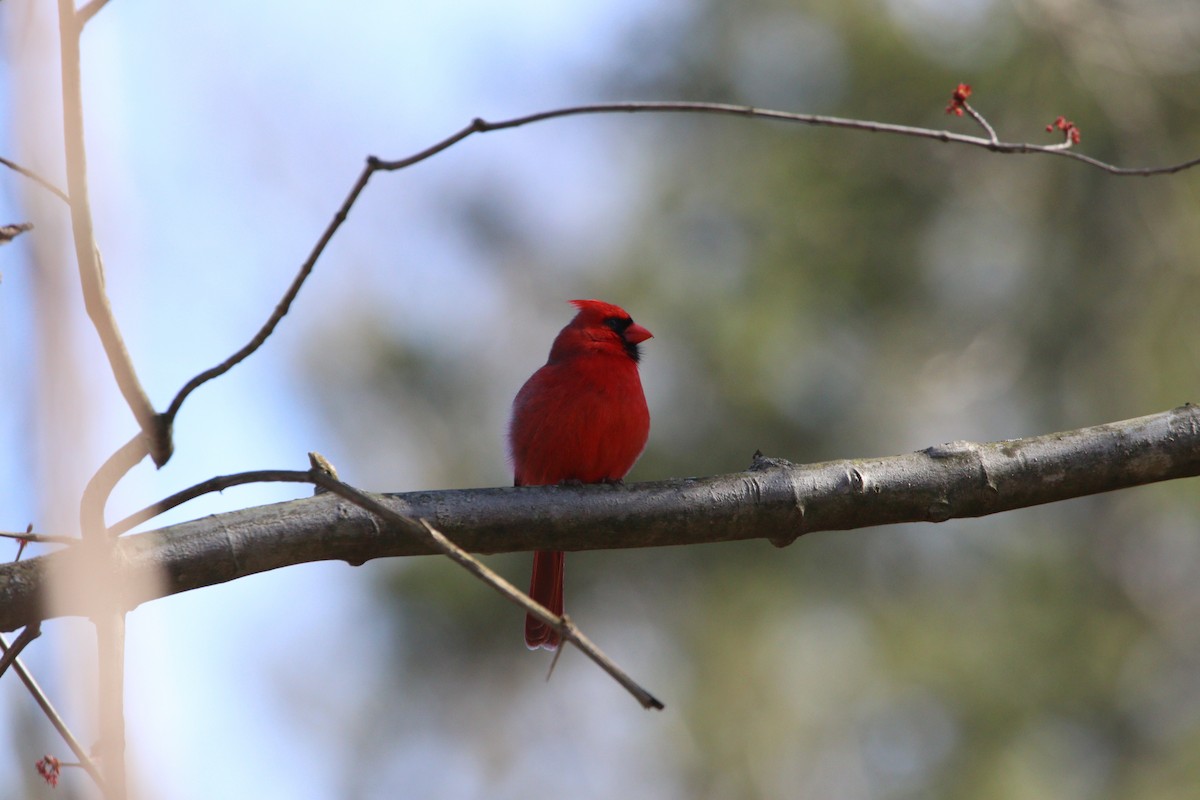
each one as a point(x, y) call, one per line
point(774, 500)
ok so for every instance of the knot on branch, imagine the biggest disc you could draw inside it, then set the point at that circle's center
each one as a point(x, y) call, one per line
point(160, 439)
point(761, 463)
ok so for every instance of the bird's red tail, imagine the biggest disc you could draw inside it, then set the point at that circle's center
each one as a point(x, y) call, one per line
point(546, 587)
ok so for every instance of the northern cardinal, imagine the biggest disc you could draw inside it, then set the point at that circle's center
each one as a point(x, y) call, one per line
point(581, 418)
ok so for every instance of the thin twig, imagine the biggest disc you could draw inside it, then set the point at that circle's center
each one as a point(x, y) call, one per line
point(27, 635)
point(423, 529)
point(983, 123)
point(38, 538)
point(320, 475)
point(483, 126)
point(564, 626)
point(38, 179)
point(39, 697)
point(216, 484)
point(479, 125)
point(281, 309)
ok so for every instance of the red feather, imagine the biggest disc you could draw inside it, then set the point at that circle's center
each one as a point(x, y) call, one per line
point(580, 418)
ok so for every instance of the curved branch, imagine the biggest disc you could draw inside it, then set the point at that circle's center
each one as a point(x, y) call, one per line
point(479, 125)
point(218, 484)
point(281, 309)
point(655, 107)
point(774, 500)
point(91, 271)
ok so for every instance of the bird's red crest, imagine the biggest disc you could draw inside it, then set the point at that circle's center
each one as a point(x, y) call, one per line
point(599, 308)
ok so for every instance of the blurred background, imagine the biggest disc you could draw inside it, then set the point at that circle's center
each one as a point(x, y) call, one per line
point(814, 294)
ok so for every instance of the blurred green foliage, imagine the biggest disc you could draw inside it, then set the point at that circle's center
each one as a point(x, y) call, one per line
point(817, 294)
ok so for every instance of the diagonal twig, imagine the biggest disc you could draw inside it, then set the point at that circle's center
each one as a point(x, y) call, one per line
point(281, 309)
point(216, 484)
point(36, 178)
point(323, 477)
point(564, 626)
point(39, 696)
point(27, 635)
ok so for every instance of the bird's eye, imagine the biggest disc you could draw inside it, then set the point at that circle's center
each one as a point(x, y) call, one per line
point(618, 324)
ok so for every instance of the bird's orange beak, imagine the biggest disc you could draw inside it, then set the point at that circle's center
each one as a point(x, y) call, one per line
point(636, 333)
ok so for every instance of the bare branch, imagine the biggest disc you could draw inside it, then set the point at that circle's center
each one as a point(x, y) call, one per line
point(281, 309)
point(324, 476)
point(30, 537)
point(217, 484)
point(567, 629)
point(479, 125)
point(422, 530)
point(483, 126)
point(774, 500)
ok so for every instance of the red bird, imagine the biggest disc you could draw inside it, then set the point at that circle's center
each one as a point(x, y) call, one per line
point(582, 418)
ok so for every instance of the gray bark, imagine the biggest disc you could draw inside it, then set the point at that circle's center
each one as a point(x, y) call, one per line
point(773, 500)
